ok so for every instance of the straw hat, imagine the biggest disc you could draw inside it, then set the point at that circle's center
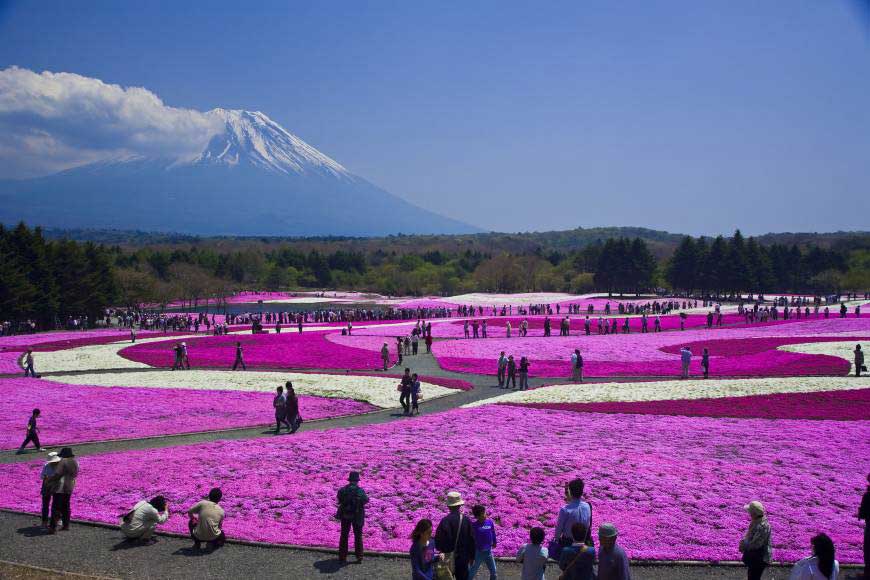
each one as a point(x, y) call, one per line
point(754, 508)
point(454, 499)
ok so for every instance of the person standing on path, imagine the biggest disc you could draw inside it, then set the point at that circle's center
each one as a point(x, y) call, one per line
point(577, 366)
point(415, 394)
point(864, 514)
point(511, 372)
point(524, 373)
point(405, 392)
point(428, 341)
point(49, 486)
point(533, 556)
point(859, 360)
point(485, 542)
point(239, 358)
point(454, 537)
point(422, 551)
point(755, 545)
point(577, 561)
point(574, 511)
point(502, 368)
point(385, 355)
point(280, 405)
point(205, 521)
point(28, 364)
point(685, 361)
point(294, 417)
point(32, 433)
point(705, 363)
point(185, 358)
point(612, 561)
point(351, 513)
point(65, 480)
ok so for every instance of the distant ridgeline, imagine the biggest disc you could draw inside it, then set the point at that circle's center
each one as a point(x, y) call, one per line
point(51, 276)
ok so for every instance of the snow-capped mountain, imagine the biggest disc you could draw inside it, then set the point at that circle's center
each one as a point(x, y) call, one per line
point(252, 177)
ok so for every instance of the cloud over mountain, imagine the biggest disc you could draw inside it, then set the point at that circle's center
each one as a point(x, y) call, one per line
point(52, 121)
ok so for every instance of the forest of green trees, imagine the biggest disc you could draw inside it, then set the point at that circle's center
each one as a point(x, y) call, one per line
point(50, 280)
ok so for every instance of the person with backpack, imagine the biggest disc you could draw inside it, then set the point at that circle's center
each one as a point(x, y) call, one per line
point(577, 561)
point(351, 513)
point(455, 539)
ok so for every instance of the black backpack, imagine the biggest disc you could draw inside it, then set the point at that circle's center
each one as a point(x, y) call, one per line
point(348, 509)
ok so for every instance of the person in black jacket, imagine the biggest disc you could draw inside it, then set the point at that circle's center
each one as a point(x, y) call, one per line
point(454, 536)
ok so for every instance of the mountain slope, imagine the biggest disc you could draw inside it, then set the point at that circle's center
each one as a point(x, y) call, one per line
point(252, 178)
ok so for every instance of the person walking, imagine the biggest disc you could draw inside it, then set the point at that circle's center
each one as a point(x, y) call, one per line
point(415, 394)
point(685, 361)
point(577, 561)
point(705, 362)
point(141, 522)
point(524, 373)
point(455, 539)
point(422, 551)
point(351, 513)
point(612, 561)
point(577, 366)
point(49, 485)
point(859, 360)
point(533, 556)
point(755, 545)
point(484, 541)
point(511, 372)
point(64, 478)
point(428, 341)
point(205, 521)
point(502, 369)
point(28, 364)
point(280, 405)
point(822, 564)
point(415, 343)
point(294, 417)
point(32, 433)
point(405, 392)
point(239, 358)
point(385, 355)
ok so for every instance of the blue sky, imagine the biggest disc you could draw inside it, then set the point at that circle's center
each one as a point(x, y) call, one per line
point(694, 117)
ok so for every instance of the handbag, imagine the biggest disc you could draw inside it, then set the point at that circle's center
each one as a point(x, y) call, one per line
point(444, 567)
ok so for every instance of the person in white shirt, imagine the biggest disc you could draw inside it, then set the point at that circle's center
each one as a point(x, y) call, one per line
point(142, 520)
point(821, 565)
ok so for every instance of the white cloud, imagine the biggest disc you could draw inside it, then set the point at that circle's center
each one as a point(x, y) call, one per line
point(52, 121)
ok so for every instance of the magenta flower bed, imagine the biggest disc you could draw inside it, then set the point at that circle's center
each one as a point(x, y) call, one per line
point(853, 405)
point(286, 350)
point(75, 413)
point(674, 486)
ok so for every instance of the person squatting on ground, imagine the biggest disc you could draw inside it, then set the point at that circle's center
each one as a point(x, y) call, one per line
point(205, 521)
point(141, 522)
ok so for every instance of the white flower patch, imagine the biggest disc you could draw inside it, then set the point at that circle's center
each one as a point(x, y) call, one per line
point(673, 390)
point(93, 357)
point(844, 350)
point(378, 391)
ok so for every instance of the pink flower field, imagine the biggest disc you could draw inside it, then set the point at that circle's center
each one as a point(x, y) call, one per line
point(853, 405)
point(735, 351)
point(675, 486)
point(76, 414)
point(287, 350)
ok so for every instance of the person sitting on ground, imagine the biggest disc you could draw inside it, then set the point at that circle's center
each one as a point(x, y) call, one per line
point(820, 565)
point(612, 561)
point(577, 561)
point(205, 521)
point(533, 556)
point(142, 520)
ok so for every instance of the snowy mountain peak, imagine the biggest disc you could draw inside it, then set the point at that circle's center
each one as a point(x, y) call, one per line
point(252, 137)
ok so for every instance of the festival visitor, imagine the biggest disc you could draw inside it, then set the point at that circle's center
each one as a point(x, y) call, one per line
point(705, 362)
point(484, 543)
point(511, 372)
point(64, 479)
point(405, 392)
point(294, 417)
point(205, 521)
point(28, 364)
point(533, 556)
point(385, 355)
point(179, 357)
point(859, 360)
point(415, 394)
point(280, 405)
point(428, 341)
point(755, 545)
point(239, 359)
point(612, 561)
point(864, 514)
point(820, 565)
point(454, 537)
point(577, 560)
point(574, 511)
point(415, 344)
point(502, 368)
point(422, 551)
point(351, 513)
point(132, 334)
point(49, 485)
point(32, 433)
point(524, 373)
point(141, 522)
point(577, 366)
point(185, 359)
point(685, 360)
point(843, 310)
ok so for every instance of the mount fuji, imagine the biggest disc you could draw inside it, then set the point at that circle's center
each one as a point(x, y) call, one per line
point(252, 178)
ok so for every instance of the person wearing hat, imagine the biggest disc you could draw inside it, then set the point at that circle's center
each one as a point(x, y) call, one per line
point(755, 545)
point(352, 514)
point(64, 479)
point(454, 537)
point(48, 486)
point(612, 561)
